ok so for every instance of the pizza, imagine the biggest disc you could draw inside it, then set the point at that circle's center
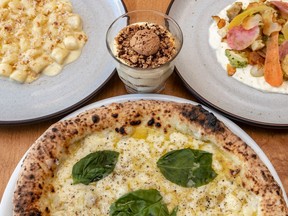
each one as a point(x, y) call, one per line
point(144, 157)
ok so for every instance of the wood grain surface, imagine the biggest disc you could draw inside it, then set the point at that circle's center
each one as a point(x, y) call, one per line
point(15, 140)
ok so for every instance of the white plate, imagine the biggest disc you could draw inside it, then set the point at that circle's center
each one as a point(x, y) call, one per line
point(6, 205)
point(53, 96)
point(198, 67)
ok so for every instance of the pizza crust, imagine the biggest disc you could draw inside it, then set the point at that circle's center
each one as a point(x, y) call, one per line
point(51, 148)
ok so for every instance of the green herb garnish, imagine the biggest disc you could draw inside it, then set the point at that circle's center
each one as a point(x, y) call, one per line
point(141, 203)
point(187, 167)
point(94, 167)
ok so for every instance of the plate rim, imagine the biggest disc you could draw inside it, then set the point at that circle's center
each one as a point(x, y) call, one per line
point(8, 192)
point(227, 113)
point(62, 112)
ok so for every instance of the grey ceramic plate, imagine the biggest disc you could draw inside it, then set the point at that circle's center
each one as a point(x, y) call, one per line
point(198, 67)
point(6, 203)
point(53, 96)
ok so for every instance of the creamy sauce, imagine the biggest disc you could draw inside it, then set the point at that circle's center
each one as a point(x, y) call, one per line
point(242, 74)
point(38, 38)
point(55, 68)
point(136, 169)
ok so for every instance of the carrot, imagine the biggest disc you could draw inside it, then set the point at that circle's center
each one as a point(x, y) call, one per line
point(231, 70)
point(272, 69)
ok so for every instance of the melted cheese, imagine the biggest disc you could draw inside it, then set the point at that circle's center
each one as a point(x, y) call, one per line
point(136, 169)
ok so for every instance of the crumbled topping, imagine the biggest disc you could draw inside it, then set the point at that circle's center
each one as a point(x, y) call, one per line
point(145, 45)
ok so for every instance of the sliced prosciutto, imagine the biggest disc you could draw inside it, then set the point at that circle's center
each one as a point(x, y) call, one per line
point(239, 38)
point(282, 6)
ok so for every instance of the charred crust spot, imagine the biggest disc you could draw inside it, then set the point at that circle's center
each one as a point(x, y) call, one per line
point(229, 143)
point(47, 210)
point(31, 176)
point(203, 117)
point(52, 189)
point(190, 114)
point(52, 137)
point(115, 115)
point(54, 129)
point(158, 124)
point(74, 132)
point(151, 122)
point(202, 121)
point(137, 115)
point(264, 175)
point(40, 186)
point(120, 130)
point(225, 147)
point(34, 212)
point(254, 156)
point(95, 118)
point(137, 122)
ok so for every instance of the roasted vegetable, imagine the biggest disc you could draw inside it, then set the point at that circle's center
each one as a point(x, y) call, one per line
point(234, 10)
point(240, 17)
point(236, 59)
point(272, 69)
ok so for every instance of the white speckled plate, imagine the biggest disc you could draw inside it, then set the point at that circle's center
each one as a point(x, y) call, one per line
point(53, 96)
point(6, 203)
point(206, 79)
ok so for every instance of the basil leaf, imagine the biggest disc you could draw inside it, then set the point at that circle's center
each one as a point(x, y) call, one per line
point(94, 167)
point(141, 203)
point(174, 212)
point(187, 167)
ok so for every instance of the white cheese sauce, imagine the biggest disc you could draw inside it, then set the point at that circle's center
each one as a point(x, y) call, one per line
point(242, 74)
point(137, 169)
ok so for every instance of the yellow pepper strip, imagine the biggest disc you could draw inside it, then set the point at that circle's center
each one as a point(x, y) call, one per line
point(240, 17)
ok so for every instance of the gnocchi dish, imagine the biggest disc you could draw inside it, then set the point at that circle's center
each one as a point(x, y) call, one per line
point(38, 37)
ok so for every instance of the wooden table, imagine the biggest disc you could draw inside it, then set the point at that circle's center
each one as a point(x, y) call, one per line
point(15, 140)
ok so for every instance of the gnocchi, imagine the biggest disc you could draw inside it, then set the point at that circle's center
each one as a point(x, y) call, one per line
point(38, 38)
